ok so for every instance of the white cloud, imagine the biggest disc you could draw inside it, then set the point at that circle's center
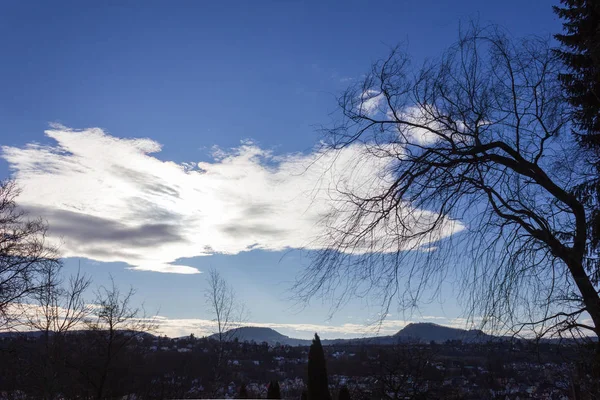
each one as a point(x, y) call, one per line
point(22, 314)
point(419, 122)
point(175, 327)
point(371, 102)
point(426, 119)
point(109, 199)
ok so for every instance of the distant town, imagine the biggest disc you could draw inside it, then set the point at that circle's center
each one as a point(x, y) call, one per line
point(157, 367)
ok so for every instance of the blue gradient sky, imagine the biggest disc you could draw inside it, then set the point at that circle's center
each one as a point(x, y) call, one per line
point(191, 75)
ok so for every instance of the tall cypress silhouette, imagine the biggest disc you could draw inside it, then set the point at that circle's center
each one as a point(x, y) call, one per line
point(344, 393)
point(273, 391)
point(243, 394)
point(318, 387)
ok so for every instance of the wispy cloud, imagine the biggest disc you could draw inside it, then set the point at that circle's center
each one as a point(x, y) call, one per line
point(110, 199)
point(432, 317)
point(419, 122)
point(174, 327)
point(22, 315)
point(372, 102)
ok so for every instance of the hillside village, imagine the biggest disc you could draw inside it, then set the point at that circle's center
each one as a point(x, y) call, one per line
point(161, 367)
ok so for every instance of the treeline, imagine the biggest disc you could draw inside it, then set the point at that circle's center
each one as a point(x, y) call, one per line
point(86, 347)
point(78, 348)
point(153, 367)
point(132, 365)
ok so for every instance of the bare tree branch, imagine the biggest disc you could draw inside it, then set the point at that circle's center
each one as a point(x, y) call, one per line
point(477, 183)
point(25, 255)
point(228, 314)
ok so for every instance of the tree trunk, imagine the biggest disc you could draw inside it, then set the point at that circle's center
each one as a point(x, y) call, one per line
point(591, 300)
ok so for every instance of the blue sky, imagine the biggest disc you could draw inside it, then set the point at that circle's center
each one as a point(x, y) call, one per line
point(239, 86)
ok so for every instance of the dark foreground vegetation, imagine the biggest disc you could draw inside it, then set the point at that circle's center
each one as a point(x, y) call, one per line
point(143, 366)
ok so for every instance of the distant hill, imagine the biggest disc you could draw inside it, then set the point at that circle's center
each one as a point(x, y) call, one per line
point(423, 332)
point(259, 335)
point(28, 334)
point(427, 332)
point(414, 332)
point(39, 334)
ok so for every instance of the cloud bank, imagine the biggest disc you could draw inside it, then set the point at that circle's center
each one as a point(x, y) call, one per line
point(111, 199)
point(177, 327)
point(22, 315)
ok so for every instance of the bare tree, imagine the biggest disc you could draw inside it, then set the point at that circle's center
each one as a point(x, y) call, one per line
point(116, 325)
point(24, 252)
point(478, 174)
point(403, 371)
point(56, 308)
point(228, 315)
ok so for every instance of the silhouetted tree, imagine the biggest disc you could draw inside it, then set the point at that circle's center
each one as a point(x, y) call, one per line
point(54, 310)
point(474, 139)
point(402, 371)
point(304, 395)
point(243, 394)
point(344, 393)
point(228, 314)
point(273, 391)
point(24, 254)
point(581, 54)
point(58, 307)
point(318, 387)
point(116, 325)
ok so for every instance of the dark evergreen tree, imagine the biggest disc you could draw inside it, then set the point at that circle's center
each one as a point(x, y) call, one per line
point(581, 54)
point(273, 391)
point(304, 395)
point(344, 393)
point(318, 387)
point(243, 394)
